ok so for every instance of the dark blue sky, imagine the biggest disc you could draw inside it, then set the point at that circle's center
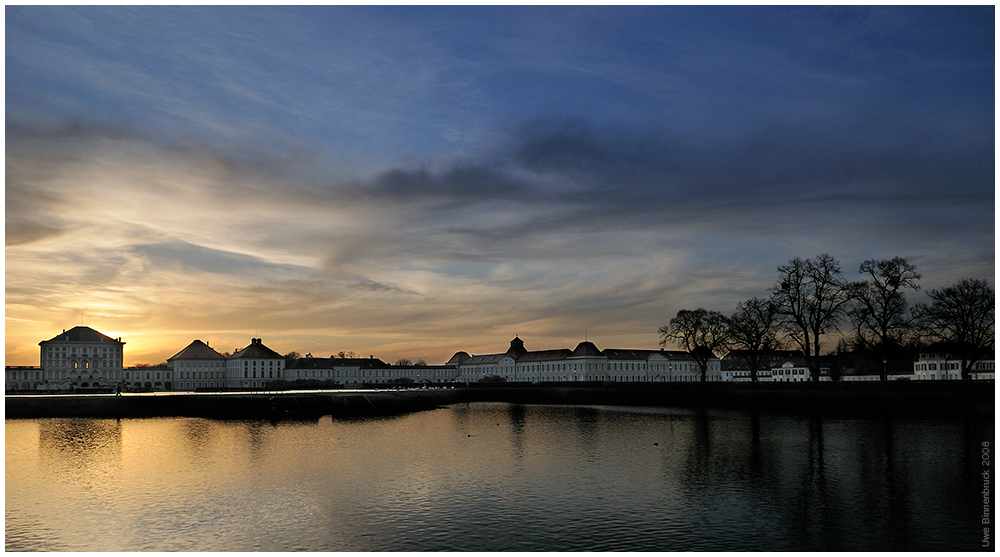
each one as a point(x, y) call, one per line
point(417, 180)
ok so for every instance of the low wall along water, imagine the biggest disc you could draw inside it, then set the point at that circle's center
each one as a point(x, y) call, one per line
point(975, 397)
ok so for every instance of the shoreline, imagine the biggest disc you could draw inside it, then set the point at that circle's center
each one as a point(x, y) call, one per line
point(907, 397)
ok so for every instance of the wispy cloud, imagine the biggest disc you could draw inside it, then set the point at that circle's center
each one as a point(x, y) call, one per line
point(360, 178)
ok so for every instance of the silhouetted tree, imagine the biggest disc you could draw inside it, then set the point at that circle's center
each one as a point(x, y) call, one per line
point(700, 332)
point(753, 330)
point(403, 362)
point(812, 295)
point(963, 315)
point(291, 357)
point(420, 363)
point(879, 311)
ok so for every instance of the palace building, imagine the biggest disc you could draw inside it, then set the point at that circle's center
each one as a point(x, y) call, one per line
point(584, 363)
point(254, 367)
point(80, 358)
point(198, 366)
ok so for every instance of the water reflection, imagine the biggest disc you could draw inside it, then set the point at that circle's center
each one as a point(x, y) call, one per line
point(516, 418)
point(497, 477)
point(79, 451)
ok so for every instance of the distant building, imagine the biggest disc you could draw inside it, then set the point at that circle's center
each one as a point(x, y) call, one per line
point(939, 361)
point(353, 372)
point(22, 378)
point(254, 367)
point(78, 359)
point(736, 366)
point(782, 366)
point(197, 366)
point(584, 363)
point(344, 371)
point(148, 378)
point(791, 371)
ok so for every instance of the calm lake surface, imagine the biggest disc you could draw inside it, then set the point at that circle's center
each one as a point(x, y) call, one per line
point(497, 477)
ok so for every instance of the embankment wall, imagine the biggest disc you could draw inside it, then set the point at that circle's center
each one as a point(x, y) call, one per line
point(940, 396)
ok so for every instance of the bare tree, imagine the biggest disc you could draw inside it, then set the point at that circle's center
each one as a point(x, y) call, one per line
point(753, 330)
point(964, 316)
point(811, 295)
point(880, 313)
point(403, 362)
point(700, 332)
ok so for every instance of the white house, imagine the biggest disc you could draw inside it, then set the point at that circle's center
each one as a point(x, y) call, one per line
point(938, 361)
point(197, 366)
point(254, 367)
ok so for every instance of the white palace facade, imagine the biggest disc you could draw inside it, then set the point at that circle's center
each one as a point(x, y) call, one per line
point(79, 357)
point(584, 363)
point(84, 359)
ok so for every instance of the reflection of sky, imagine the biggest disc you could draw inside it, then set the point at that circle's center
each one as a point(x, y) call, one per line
point(412, 181)
point(492, 477)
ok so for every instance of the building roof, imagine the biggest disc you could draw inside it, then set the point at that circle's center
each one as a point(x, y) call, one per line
point(82, 334)
point(676, 354)
point(586, 348)
point(628, 354)
point(197, 350)
point(736, 360)
point(485, 359)
point(545, 355)
point(516, 349)
point(257, 350)
point(330, 363)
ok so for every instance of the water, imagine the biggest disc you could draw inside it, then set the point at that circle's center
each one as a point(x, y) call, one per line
point(497, 477)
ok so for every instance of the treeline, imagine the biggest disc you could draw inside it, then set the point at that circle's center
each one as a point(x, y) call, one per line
point(812, 298)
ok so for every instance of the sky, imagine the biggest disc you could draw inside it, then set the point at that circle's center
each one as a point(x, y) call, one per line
point(410, 181)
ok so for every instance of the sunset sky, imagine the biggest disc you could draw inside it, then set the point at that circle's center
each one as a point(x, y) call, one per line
point(414, 181)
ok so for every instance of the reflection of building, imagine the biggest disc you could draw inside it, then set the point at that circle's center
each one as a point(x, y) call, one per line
point(198, 366)
point(584, 363)
point(80, 358)
point(941, 361)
